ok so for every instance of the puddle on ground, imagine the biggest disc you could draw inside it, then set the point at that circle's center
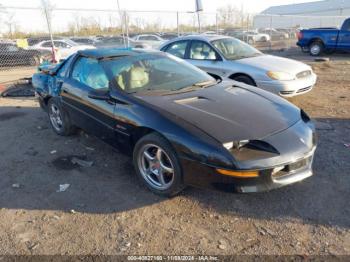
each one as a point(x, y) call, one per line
point(10, 115)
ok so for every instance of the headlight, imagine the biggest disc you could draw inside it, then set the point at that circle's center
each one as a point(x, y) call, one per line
point(283, 76)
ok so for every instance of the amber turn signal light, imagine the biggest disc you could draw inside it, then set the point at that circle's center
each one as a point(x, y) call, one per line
point(239, 174)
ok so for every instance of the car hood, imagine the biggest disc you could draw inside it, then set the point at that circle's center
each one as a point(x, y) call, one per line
point(228, 112)
point(274, 63)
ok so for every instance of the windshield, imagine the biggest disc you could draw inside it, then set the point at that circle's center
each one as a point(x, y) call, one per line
point(155, 73)
point(233, 49)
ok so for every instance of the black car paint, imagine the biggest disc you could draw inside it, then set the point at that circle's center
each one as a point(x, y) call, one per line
point(18, 57)
point(123, 118)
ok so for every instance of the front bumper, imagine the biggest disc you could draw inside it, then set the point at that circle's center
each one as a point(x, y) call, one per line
point(271, 178)
point(289, 88)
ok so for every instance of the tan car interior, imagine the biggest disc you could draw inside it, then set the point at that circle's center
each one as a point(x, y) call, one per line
point(201, 51)
point(135, 77)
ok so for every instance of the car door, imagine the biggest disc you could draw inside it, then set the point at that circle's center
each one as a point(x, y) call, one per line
point(204, 56)
point(93, 115)
point(344, 36)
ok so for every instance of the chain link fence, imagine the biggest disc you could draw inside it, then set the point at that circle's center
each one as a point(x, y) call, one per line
point(25, 40)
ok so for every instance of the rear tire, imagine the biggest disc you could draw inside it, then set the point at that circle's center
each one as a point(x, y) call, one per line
point(245, 79)
point(251, 41)
point(59, 119)
point(157, 165)
point(316, 48)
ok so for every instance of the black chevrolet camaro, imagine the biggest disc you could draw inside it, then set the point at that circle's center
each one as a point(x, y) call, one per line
point(181, 126)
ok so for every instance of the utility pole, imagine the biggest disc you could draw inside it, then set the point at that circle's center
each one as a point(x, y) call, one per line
point(121, 23)
point(48, 21)
point(177, 23)
point(199, 8)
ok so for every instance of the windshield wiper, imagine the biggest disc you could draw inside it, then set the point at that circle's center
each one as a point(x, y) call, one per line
point(190, 88)
point(195, 86)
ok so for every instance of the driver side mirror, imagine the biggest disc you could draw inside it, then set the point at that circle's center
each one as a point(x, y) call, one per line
point(99, 94)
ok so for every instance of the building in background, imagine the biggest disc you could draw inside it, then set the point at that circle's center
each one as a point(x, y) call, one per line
point(326, 13)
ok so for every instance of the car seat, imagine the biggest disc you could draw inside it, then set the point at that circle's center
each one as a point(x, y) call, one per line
point(138, 77)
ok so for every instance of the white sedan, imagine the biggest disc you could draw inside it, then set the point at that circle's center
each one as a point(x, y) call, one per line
point(153, 40)
point(64, 48)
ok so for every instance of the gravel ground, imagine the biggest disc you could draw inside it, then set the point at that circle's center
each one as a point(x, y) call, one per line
point(106, 210)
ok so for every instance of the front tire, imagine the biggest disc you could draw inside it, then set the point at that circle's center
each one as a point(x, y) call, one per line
point(59, 119)
point(157, 165)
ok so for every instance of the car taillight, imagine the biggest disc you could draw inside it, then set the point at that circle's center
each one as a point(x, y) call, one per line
point(300, 35)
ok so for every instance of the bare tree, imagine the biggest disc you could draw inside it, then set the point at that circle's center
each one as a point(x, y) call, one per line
point(77, 22)
point(10, 23)
point(229, 16)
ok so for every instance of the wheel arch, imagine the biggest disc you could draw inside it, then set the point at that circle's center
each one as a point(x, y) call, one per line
point(142, 131)
point(316, 39)
point(233, 76)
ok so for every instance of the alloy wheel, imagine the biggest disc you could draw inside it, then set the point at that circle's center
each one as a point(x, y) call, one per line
point(56, 117)
point(156, 167)
point(315, 49)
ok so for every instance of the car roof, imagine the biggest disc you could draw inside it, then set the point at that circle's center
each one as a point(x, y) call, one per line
point(101, 53)
point(204, 37)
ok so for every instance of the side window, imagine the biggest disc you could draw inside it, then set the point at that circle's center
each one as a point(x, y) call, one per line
point(142, 37)
point(152, 38)
point(90, 73)
point(118, 40)
point(177, 49)
point(201, 51)
point(346, 26)
point(46, 44)
point(61, 44)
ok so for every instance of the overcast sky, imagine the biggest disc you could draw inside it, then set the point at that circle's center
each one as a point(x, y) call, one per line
point(175, 5)
point(33, 20)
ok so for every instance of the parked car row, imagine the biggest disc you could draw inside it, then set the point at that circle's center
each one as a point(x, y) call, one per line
point(65, 46)
point(251, 37)
point(180, 125)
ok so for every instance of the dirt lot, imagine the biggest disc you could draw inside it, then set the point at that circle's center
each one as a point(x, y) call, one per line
point(114, 214)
